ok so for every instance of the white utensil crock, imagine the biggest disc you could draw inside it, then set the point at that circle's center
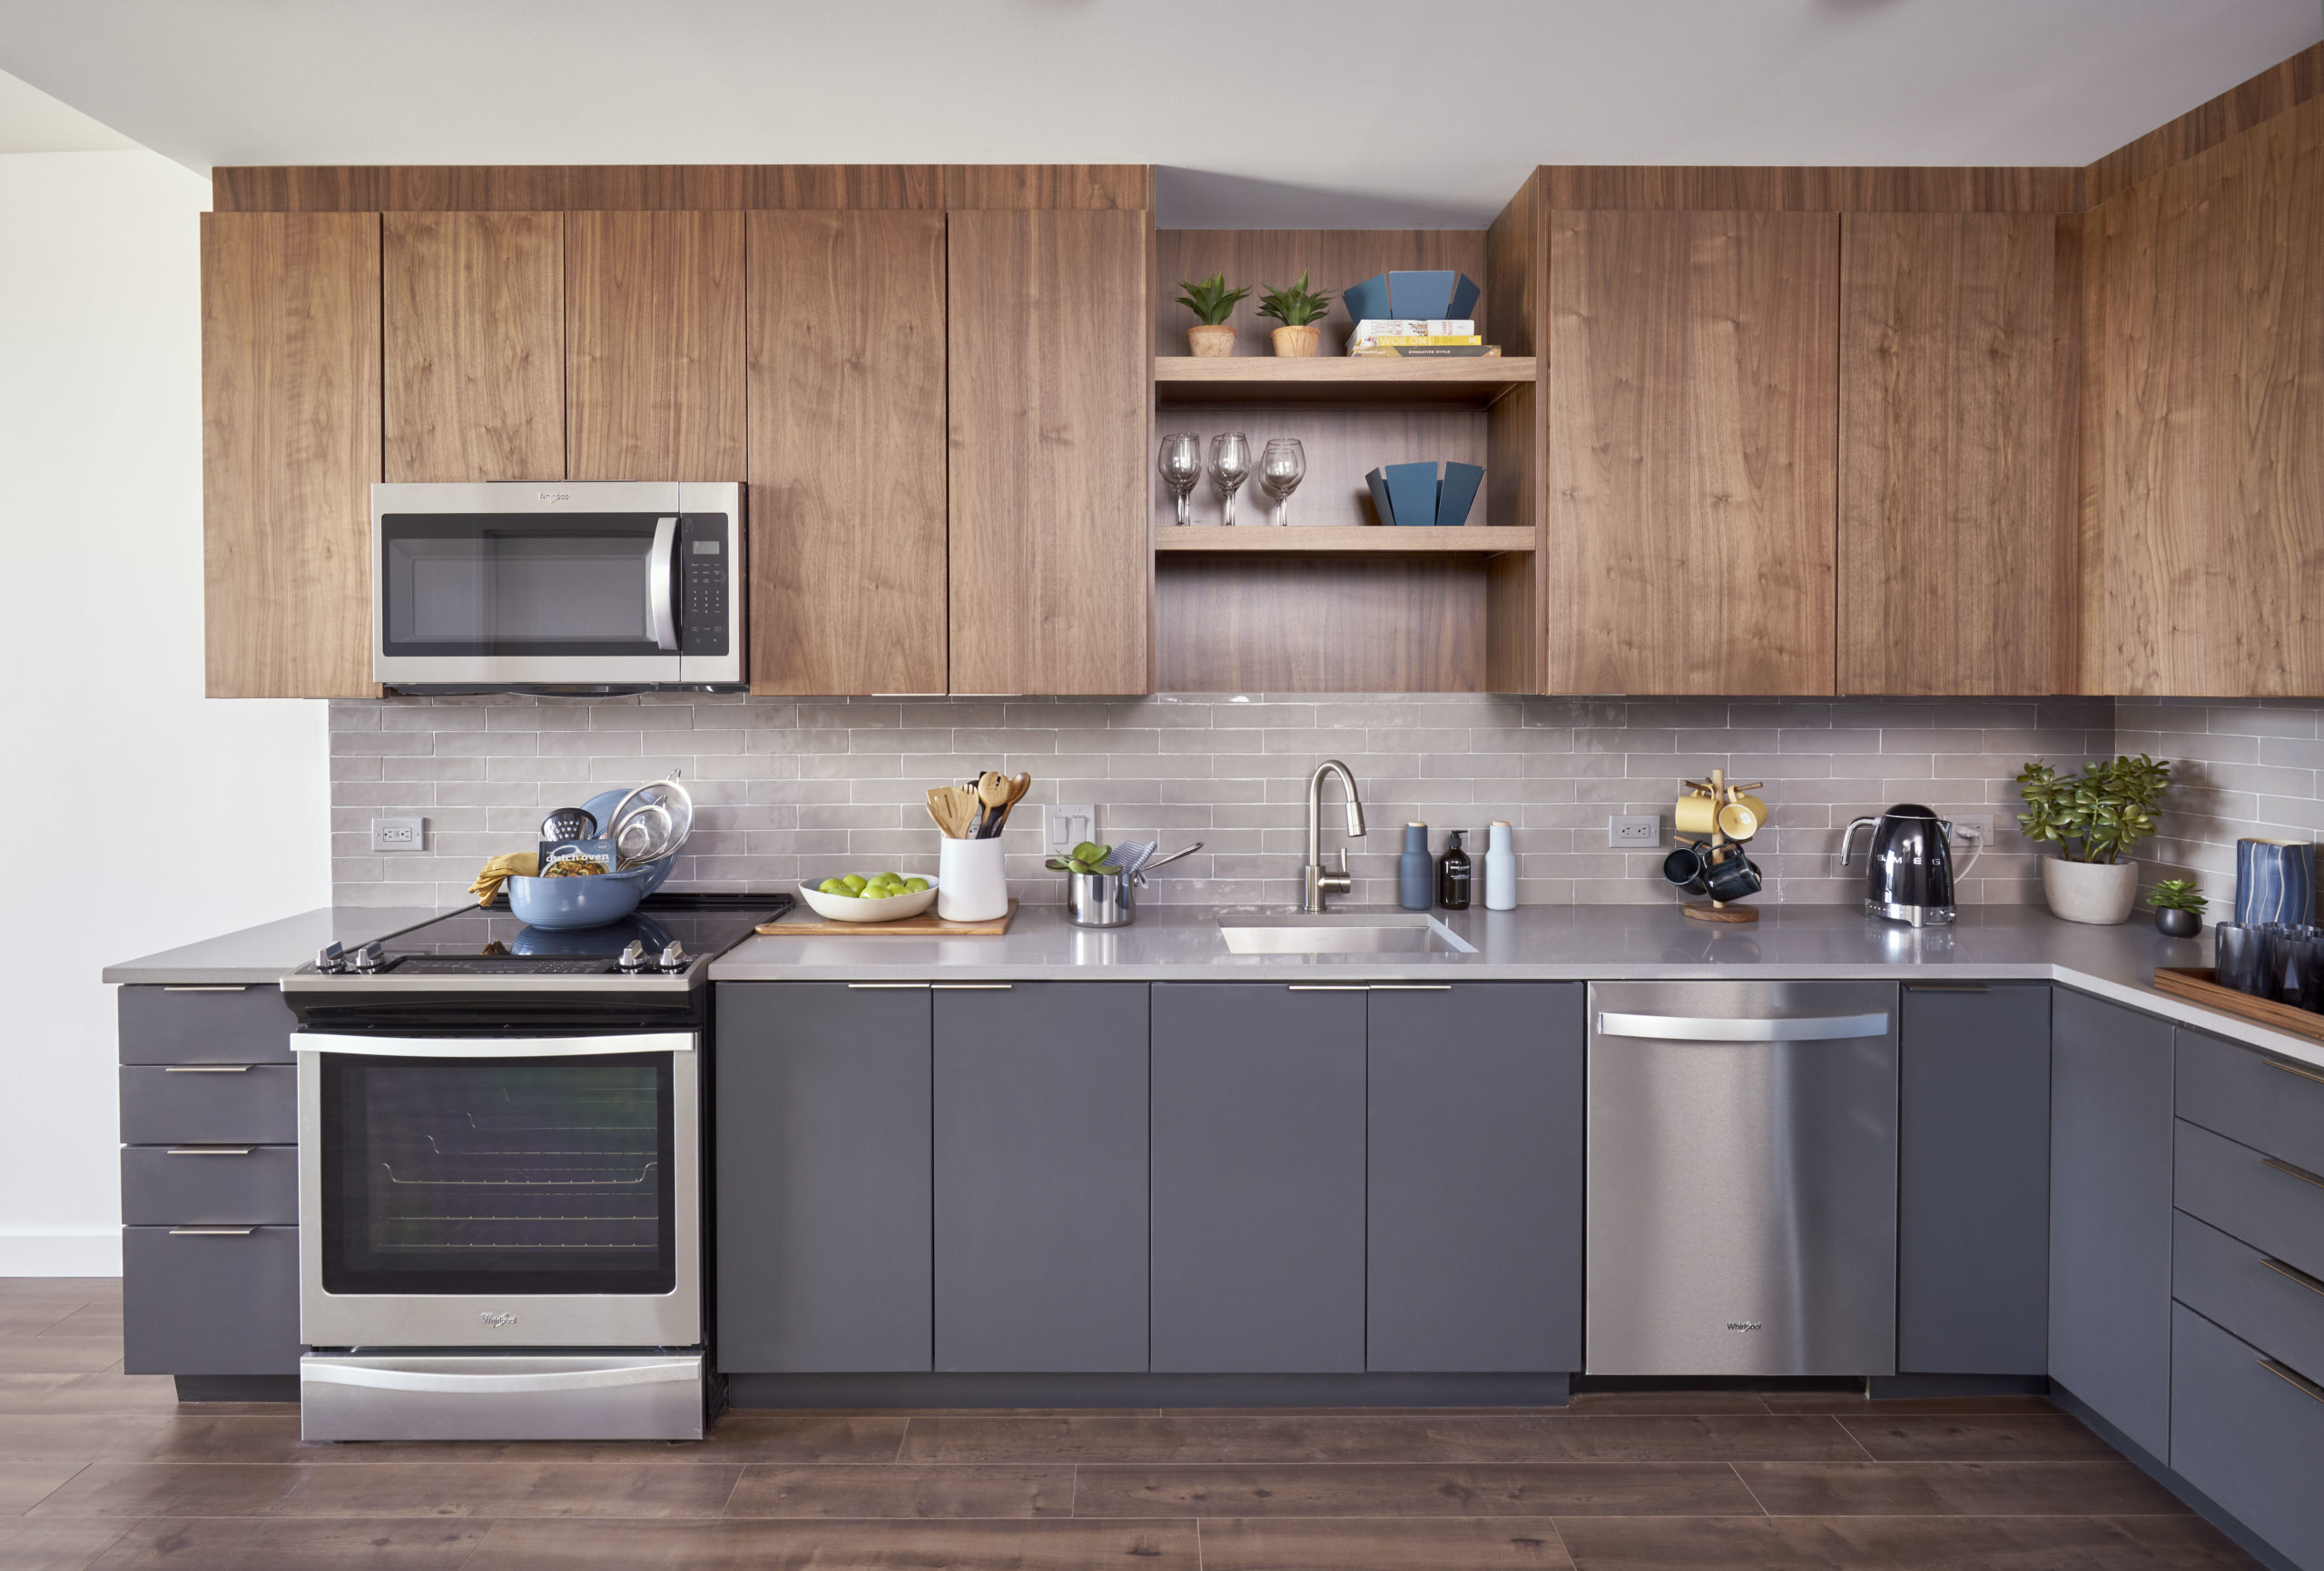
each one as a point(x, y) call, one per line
point(972, 884)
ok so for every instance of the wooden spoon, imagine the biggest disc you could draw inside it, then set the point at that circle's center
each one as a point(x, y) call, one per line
point(992, 791)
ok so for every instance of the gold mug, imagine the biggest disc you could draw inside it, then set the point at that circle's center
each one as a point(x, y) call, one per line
point(1743, 818)
point(1696, 814)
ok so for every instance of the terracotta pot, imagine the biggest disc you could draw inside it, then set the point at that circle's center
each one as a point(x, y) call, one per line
point(1211, 342)
point(2098, 892)
point(1297, 342)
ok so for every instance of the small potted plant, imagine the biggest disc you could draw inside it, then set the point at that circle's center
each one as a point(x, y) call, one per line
point(2178, 908)
point(1212, 302)
point(1299, 309)
point(2095, 817)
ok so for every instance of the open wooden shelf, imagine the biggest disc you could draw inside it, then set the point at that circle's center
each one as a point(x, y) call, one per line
point(1183, 381)
point(1335, 540)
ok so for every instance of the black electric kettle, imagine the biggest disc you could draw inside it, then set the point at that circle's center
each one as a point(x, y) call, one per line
point(1908, 871)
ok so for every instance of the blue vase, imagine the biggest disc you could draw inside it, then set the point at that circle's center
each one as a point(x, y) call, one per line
point(2275, 881)
point(1414, 871)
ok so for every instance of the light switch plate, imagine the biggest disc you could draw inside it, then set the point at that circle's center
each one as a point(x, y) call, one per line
point(1635, 831)
point(398, 834)
point(1066, 824)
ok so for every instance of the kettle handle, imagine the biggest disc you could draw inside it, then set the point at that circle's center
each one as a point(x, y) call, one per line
point(1847, 839)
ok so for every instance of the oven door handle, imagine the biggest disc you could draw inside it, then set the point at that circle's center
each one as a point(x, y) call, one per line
point(675, 1371)
point(493, 1047)
point(661, 584)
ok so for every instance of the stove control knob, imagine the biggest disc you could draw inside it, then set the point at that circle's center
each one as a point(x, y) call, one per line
point(332, 960)
point(632, 956)
point(372, 957)
point(674, 956)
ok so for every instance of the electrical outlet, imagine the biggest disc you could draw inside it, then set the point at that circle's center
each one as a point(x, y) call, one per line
point(1974, 828)
point(1632, 831)
point(398, 834)
point(1066, 824)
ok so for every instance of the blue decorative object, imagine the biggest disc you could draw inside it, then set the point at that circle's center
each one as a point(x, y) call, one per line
point(1414, 870)
point(1378, 480)
point(1432, 295)
point(1368, 300)
point(1412, 493)
point(2275, 881)
point(1458, 492)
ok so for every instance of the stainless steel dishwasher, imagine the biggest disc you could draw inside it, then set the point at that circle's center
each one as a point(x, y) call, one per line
point(1742, 1178)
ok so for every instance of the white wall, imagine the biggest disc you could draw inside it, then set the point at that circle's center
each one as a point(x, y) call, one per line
point(138, 815)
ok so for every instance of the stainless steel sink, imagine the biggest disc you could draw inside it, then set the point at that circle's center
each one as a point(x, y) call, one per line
point(1342, 932)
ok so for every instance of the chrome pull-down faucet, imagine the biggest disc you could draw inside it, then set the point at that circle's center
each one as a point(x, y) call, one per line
point(1319, 882)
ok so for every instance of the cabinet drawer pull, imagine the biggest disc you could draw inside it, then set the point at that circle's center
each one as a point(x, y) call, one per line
point(2293, 1378)
point(2300, 1174)
point(882, 986)
point(1410, 987)
point(1326, 987)
point(2293, 1069)
point(971, 986)
point(2294, 1272)
point(211, 1150)
point(206, 988)
point(1946, 987)
point(206, 1068)
point(211, 1232)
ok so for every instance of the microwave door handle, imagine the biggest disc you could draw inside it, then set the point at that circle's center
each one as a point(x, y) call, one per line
point(661, 585)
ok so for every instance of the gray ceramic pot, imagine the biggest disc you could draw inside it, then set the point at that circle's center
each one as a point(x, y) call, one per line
point(2173, 924)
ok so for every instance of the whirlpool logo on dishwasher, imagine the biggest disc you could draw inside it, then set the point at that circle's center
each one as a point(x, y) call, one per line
point(498, 1320)
point(1746, 1325)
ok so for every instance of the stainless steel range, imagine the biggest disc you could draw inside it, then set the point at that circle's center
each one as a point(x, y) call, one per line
point(500, 1176)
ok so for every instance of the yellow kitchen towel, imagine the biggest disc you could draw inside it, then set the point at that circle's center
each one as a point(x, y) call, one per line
point(512, 865)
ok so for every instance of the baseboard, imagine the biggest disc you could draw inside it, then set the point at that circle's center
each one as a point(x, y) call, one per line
point(2202, 1504)
point(1904, 1387)
point(1144, 1390)
point(61, 1254)
point(238, 1387)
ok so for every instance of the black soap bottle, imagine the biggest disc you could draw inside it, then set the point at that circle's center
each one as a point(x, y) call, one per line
point(1453, 874)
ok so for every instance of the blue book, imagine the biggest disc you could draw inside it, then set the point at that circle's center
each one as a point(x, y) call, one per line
point(1459, 491)
point(1412, 492)
point(1378, 481)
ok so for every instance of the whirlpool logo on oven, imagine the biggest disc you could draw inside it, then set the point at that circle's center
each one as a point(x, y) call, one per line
point(498, 1320)
point(1746, 1325)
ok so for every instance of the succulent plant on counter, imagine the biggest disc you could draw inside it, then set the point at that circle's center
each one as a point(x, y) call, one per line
point(2176, 895)
point(1209, 299)
point(1298, 306)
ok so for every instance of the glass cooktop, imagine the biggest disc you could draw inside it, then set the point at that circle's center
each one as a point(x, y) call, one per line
point(490, 940)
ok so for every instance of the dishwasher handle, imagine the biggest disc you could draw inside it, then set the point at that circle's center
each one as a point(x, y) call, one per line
point(1684, 1028)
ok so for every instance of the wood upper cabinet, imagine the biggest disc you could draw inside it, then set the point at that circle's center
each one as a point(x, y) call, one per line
point(474, 332)
point(1955, 537)
point(654, 346)
point(846, 397)
point(2203, 422)
point(1693, 395)
point(1049, 380)
point(290, 450)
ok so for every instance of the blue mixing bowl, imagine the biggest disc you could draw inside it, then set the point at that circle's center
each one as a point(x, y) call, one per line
point(590, 901)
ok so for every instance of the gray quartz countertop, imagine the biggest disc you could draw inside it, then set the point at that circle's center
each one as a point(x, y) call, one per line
point(268, 952)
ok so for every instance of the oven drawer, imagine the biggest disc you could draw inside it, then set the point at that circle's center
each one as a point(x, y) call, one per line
point(2244, 1291)
point(500, 1397)
point(222, 1302)
point(2269, 1103)
point(205, 1025)
point(211, 1104)
point(2249, 1436)
point(2270, 1205)
point(175, 1185)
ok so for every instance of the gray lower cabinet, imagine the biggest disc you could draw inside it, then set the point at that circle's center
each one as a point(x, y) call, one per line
point(1258, 1178)
point(1040, 1130)
point(1476, 1114)
point(1973, 1246)
point(210, 1300)
point(207, 1023)
point(2248, 1430)
point(2111, 1074)
point(821, 1126)
point(210, 1184)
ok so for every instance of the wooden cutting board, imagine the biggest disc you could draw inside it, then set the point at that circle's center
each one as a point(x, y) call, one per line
point(802, 923)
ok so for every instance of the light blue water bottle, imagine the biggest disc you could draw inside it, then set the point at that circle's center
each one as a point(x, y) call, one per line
point(1500, 869)
point(1414, 870)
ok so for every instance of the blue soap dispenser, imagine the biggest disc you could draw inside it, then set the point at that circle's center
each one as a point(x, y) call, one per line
point(1415, 873)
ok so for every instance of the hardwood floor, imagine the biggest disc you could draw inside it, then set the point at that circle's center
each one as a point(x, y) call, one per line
point(99, 1470)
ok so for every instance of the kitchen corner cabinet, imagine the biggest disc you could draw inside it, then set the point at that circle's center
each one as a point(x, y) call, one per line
point(291, 433)
point(655, 346)
point(1049, 393)
point(2111, 1093)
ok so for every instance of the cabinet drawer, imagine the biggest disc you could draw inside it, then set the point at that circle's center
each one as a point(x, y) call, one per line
point(2244, 1291)
point(2249, 1196)
point(2270, 1104)
point(215, 1105)
point(205, 1025)
point(210, 1303)
point(2247, 1436)
point(176, 1185)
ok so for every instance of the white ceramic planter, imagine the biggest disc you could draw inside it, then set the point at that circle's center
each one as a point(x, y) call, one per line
point(2098, 892)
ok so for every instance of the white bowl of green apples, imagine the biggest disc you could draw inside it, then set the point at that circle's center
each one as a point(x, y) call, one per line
point(869, 896)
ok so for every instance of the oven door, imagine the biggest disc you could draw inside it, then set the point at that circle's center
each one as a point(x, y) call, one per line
point(537, 1192)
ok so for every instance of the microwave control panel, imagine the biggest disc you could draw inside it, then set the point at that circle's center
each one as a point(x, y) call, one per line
point(706, 559)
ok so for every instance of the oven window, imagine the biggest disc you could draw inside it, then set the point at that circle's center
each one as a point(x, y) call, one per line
point(523, 1176)
point(478, 586)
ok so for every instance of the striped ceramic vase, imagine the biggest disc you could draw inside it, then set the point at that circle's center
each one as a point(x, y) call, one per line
point(2275, 881)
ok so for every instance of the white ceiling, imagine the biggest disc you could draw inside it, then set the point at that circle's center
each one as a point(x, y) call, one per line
point(1261, 112)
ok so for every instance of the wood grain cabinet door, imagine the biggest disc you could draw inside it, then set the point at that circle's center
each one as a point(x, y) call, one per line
point(846, 354)
point(654, 346)
point(1693, 406)
point(474, 328)
point(1048, 368)
point(1955, 530)
point(290, 450)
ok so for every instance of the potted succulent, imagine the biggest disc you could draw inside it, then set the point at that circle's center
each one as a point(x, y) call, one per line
point(2178, 908)
point(1212, 302)
point(1299, 309)
point(2095, 817)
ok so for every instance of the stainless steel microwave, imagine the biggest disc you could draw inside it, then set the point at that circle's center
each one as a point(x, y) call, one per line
point(559, 586)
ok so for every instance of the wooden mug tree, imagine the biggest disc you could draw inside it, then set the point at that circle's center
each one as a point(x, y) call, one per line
point(1720, 792)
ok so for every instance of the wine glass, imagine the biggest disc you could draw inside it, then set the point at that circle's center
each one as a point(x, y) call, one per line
point(1281, 469)
point(1180, 466)
point(1230, 466)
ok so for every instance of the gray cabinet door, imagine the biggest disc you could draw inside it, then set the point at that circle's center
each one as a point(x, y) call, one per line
point(821, 1112)
point(1476, 1103)
point(210, 1303)
point(1040, 1177)
point(1973, 1245)
point(1257, 1179)
point(2109, 1213)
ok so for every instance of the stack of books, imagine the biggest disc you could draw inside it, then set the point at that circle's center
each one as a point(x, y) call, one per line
point(1418, 337)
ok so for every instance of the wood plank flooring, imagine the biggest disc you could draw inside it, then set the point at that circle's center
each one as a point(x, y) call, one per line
point(99, 1470)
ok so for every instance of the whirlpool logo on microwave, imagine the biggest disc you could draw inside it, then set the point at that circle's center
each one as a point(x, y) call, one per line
point(498, 1320)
